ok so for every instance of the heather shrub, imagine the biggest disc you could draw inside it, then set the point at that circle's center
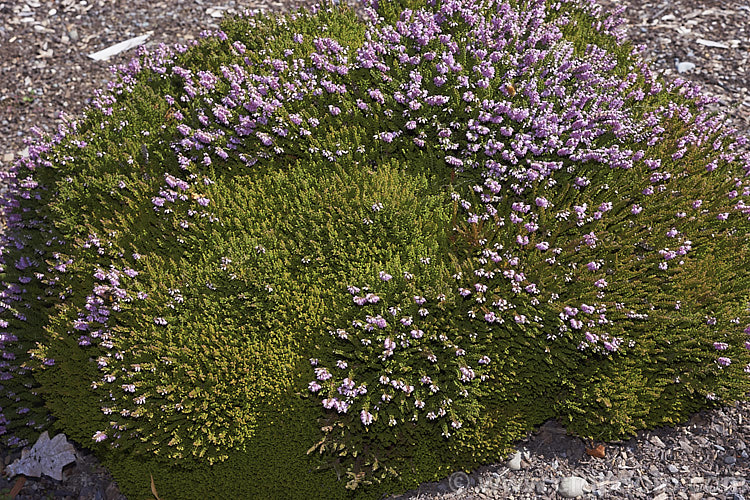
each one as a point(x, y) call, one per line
point(313, 253)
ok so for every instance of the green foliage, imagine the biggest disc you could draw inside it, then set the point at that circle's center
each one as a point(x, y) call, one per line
point(203, 301)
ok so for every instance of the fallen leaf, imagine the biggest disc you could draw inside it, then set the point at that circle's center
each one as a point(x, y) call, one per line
point(47, 456)
point(597, 452)
point(153, 488)
point(17, 487)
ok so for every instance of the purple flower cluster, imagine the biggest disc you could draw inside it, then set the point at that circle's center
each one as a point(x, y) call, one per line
point(415, 356)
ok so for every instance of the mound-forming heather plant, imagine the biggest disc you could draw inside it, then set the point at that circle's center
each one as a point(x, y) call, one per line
point(424, 233)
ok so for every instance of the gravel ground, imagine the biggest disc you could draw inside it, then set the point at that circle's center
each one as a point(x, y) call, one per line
point(45, 70)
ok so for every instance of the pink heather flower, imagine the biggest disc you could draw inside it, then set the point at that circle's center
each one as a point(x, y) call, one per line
point(697, 203)
point(747, 345)
point(360, 301)
point(417, 334)
point(723, 362)
point(389, 344)
point(99, 436)
point(484, 360)
point(490, 317)
point(602, 283)
point(522, 240)
point(590, 239)
point(723, 216)
point(456, 424)
point(239, 47)
point(467, 374)
point(313, 361)
point(460, 352)
point(520, 319)
point(541, 202)
point(385, 276)
point(423, 312)
point(464, 292)
point(419, 300)
point(721, 346)
point(543, 246)
point(366, 417)
point(341, 364)
point(322, 374)
point(380, 322)
point(636, 209)
point(372, 298)
point(348, 384)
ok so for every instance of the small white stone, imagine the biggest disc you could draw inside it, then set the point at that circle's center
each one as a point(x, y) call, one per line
point(572, 487)
point(685, 66)
point(514, 463)
point(711, 43)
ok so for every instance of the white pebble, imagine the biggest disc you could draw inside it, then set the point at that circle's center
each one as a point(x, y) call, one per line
point(572, 487)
